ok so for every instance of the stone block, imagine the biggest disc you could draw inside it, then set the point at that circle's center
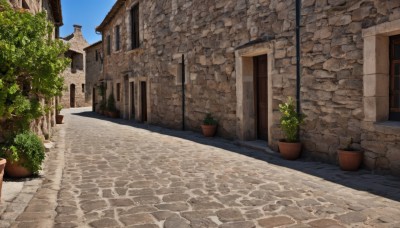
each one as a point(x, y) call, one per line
point(376, 108)
point(376, 85)
point(376, 55)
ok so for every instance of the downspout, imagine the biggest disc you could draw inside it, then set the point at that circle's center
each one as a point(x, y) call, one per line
point(183, 92)
point(298, 67)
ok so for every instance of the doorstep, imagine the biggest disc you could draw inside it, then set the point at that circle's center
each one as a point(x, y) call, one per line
point(259, 145)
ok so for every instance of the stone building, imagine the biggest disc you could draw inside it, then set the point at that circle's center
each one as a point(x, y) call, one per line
point(94, 68)
point(74, 76)
point(237, 59)
point(43, 125)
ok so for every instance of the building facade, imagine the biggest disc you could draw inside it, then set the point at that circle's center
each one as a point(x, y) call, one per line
point(94, 69)
point(74, 76)
point(237, 61)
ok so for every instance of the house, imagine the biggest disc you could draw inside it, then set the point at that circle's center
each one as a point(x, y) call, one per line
point(74, 76)
point(94, 68)
point(170, 62)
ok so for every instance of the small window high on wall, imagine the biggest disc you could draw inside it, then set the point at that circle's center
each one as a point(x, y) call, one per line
point(394, 92)
point(117, 38)
point(108, 45)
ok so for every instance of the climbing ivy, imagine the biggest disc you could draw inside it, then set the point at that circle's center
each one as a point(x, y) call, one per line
point(30, 63)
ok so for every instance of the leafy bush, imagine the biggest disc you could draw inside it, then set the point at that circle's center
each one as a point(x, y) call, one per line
point(111, 103)
point(28, 147)
point(31, 62)
point(209, 120)
point(290, 120)
point(59, 107)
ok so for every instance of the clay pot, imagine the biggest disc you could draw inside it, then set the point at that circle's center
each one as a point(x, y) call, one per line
point(350, 160)
point(209, 130)
point(59, 119)
point(2, 166)
point(16, 169)
point(289, 151)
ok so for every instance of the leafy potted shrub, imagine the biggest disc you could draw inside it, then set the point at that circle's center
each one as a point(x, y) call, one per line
point(290, 147)
point(59, 117)
point(112, 110)
point(25, 154)
point(103, 107)
point(2, 166)
point(209, 126)
point(350, 159)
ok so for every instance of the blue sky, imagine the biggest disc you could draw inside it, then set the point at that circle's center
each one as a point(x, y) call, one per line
point(88, 13)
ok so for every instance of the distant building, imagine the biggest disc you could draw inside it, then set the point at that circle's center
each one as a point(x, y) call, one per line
point(74, 76)
point(94, 69)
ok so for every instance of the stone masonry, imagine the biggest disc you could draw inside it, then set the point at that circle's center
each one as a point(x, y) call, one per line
point(94, 68)
point(74, 76)
point(218, 40)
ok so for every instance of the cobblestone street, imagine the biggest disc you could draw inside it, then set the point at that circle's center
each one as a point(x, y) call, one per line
point(118, 174)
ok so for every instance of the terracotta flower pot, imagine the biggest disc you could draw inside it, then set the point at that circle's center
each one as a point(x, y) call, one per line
point(16, 170)
point(289, 151)
point(350, 160)
point(209, 130)
point(2, 166)
point(59, 119)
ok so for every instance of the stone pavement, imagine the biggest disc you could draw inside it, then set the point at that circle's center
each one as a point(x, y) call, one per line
point(119, 174)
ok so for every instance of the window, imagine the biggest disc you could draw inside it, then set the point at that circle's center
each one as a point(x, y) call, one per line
point(108, 45)
point(118, 91)
point(97, 56)
point(83, 88)
point(135, 26)
point(394, 79)
point(117, 38)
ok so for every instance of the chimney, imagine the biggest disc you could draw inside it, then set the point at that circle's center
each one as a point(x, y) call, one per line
point(77, 29)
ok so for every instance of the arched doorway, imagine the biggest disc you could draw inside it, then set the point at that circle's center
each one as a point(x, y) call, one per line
point(72, 95)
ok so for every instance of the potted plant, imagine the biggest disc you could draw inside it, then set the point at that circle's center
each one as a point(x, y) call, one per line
point(103, 107)
point(59, 117)
point(112, 110)
point(209, 126)
point(290, 147)
point(25, 154)
point(2, 166)
point(350, 159)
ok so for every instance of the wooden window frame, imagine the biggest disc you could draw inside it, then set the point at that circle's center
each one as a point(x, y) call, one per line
point(117, 38)
point(135, 37)
point(394, 113)
point(83, 88)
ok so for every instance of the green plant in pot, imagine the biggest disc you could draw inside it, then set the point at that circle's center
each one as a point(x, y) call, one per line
point(25, 154)
point(350, 159)
point(59, 117)
point(290, 147)
point(103, 106)
point(112, 110)
point(209, 126)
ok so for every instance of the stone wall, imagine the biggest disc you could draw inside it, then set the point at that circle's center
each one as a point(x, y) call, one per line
point(218, 40)
point(94, 71)
point(74, 76)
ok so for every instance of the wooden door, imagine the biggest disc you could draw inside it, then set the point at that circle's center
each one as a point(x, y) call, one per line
point(72, 96)
point(144, 101)
point(94, 100)
point(261, 95)
point(132, 85)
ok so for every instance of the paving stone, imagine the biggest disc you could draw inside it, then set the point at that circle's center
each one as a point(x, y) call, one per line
point(137, 219)
point(162, 215)
point(107, 222)
point(229, 215)
point(246, 224)
point(351, 217)
point(121, 202)
point(176, 222)
point(93, 205)
point(276, 221)
point(175, 197)
point(325, 223)
point(173, 206)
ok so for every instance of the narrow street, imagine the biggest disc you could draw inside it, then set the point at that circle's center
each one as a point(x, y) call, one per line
point(118, 174)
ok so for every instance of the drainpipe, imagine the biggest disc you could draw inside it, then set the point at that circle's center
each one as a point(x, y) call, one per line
point(183, 92)
point(298, 67)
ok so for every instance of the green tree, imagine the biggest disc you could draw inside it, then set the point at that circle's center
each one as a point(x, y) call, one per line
point(30, 64)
